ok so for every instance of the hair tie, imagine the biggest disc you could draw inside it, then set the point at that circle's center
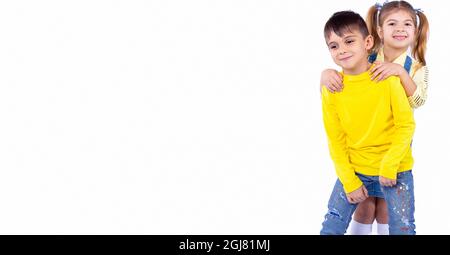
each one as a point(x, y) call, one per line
point(378, 6)
point(418, 10)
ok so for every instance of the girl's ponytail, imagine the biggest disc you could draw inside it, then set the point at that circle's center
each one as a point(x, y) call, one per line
point(372, 24)
point(420, 45)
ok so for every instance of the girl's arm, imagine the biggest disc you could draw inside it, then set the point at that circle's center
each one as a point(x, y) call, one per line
point(415, 88)
point(420, 78)
point(332, 80)
point(407, 82)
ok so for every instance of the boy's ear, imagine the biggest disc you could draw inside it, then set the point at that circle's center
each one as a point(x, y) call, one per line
point(369, 42)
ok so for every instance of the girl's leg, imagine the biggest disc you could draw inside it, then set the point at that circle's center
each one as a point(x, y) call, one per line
point(339, 212)
point(400, 202)
point(381, 215)
point(363, 217)
point(365, 212)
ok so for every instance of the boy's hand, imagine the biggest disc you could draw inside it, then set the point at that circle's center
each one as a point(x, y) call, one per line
point(332, 80)
point(383, 70)
point(387, 182)
point(358, 195)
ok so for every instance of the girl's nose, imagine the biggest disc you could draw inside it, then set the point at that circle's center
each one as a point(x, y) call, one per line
point(400, 28)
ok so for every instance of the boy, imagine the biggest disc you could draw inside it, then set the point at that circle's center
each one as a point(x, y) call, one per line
point(369, 127)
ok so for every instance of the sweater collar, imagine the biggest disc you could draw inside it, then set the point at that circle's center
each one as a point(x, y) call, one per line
point(356, 78)
point(399, 60)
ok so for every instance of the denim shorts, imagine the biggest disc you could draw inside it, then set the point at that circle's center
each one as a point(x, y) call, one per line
point(372, 185)
point(399, 200)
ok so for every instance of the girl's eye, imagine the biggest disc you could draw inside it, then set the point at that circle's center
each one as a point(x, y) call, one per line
point(408, 24)
point(349, 41)
point(391, 24)
point(333, 47)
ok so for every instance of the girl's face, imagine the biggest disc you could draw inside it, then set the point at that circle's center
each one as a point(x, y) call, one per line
point(398, 30)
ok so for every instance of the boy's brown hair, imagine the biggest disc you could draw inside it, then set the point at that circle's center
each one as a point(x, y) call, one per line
point(344, 21)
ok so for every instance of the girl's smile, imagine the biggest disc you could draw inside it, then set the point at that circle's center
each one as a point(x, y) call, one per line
point(400, 37)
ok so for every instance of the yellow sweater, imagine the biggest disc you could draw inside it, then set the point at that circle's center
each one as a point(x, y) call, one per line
point(369, 127)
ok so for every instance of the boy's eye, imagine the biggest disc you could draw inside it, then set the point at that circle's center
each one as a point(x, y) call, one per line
point(349, 41)
point(332, 46)
point(391, 24)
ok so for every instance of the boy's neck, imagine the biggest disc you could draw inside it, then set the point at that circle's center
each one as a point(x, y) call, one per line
point(359, 69)
point(391, 54)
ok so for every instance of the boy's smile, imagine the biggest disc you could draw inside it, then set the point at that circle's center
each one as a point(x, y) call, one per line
point(345, 58)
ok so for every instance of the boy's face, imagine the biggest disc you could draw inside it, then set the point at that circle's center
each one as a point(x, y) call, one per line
point(350, 51)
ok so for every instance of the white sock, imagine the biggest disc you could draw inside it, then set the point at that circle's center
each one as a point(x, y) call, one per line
point(357, 228)
point(383, 229)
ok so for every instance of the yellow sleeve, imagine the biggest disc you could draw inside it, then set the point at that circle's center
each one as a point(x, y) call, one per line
point(404, 130)
point(337, 144)
point(420, 78)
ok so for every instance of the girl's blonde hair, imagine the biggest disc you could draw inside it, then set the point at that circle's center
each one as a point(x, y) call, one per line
point(378, 13)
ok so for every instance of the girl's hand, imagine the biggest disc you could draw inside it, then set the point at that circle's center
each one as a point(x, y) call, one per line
point(332, 80)
point(383, 70)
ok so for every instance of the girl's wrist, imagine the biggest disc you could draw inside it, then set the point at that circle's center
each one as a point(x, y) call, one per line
point(403, 74)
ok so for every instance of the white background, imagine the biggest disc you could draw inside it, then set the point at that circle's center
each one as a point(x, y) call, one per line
point(185, 117)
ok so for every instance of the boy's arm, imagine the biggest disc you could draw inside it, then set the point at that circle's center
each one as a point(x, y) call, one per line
point(404, 130)
point(337, 144)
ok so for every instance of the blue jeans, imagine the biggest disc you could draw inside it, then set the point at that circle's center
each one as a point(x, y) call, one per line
point(399, 199)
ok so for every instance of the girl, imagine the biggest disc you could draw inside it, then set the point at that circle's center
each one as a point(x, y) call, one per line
point(398, 29)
